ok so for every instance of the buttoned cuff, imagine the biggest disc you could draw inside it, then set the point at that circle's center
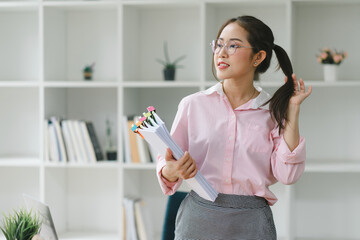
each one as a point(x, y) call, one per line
point(298, 155)
point(168, 188)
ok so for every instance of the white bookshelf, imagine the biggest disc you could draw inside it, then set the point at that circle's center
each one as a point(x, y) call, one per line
point(45, 44)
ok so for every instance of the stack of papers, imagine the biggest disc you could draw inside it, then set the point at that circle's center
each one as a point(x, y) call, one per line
point(154, 131)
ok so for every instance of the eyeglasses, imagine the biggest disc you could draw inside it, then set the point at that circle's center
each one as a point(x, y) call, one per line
point(230, 46)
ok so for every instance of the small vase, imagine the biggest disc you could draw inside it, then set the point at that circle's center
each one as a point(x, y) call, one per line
point(330, 72)
point(87, 75)
point(169, 74)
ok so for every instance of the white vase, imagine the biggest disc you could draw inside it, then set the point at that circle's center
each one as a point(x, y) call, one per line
point(330, 72)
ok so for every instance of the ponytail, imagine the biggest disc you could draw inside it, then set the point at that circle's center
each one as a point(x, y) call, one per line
point(280, 100)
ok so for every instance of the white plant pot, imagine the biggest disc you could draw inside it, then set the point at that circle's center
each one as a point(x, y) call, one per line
point(330, 72)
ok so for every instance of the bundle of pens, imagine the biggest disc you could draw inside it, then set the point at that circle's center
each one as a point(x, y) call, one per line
point(151, 128)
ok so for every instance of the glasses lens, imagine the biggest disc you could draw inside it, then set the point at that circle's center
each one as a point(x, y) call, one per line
point(217, 45)
point(231, 47)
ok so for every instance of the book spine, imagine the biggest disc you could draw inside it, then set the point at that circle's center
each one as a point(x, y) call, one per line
point(60, 140)
point(80, 141)
point(95, 142)
point(68, 141)
point(88, 144)
point(135, 158)
point(125, 133)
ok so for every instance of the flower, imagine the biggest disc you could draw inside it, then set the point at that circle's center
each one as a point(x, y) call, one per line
point(328, 56)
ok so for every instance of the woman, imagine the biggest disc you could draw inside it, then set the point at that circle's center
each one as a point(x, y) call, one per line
point(239, 137)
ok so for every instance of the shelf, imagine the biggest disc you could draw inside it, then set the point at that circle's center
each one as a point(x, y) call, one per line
point(88, 236)
point(81, 5)
point(80, 84)
point(161, 3)
point(314, 83)
point(19, 84)
point(140, 166)
point(156, 84)
point(340, 83)
point(18, 5)
point(332, 166)
point(100, 165)
point(19, 162)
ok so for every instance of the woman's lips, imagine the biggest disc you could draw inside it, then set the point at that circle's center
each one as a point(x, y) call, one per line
point(223, 65)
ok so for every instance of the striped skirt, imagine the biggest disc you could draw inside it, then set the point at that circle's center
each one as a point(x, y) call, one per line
point(229, 217)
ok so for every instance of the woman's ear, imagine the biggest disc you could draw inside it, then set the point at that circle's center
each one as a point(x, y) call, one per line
point(258, 58)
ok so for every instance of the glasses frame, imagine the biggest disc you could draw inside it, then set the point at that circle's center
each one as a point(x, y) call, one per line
point(226, 47)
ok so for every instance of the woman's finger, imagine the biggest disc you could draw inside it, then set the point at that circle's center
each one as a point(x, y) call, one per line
point(308, 92)
point(302, 85)
point(168, 155)
point(193, 173)
point(190, 170)
point(296, 86)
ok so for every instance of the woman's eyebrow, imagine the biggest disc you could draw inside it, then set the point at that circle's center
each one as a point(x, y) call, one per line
point(234, 39)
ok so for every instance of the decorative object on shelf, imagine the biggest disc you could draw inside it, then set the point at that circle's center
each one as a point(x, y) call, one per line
point(111, 153)
point(169, 66)
point(331, 60)
point(21, 225)
point(88, 70)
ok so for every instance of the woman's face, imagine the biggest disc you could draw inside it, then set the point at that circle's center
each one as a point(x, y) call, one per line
point(239, 64)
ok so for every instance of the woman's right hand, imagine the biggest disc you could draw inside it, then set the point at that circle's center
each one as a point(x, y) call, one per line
point(183, 168)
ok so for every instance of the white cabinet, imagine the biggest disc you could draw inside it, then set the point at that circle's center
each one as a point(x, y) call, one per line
point(45, 45)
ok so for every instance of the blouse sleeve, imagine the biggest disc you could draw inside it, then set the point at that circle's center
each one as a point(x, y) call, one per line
point(287, 166)
point(179, 133)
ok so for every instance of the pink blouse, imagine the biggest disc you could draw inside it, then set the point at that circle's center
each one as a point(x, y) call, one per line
point(239, 151)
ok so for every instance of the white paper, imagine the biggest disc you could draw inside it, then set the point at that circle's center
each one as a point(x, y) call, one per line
point(159, 138)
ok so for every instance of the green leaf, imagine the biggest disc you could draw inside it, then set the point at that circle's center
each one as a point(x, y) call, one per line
point(179, 59)
point(166, 53)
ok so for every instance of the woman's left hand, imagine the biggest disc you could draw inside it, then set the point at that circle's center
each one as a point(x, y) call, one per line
point(299, 93)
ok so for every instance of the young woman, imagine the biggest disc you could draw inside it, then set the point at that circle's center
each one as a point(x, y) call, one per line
point(239, 137)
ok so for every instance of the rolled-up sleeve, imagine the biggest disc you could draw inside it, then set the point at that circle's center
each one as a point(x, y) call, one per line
point(287, 166)
point(179, 132)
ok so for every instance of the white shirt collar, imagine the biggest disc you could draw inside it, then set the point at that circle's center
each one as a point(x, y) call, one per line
point(257, 102)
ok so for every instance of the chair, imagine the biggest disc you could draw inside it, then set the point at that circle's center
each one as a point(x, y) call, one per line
point(172, 207)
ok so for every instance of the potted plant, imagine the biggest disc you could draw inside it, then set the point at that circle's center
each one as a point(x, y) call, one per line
point(169, 66)
point(330, 60)
point(88, 70)
point(21, 225)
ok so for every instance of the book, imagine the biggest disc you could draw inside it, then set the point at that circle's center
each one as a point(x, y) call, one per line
point(59, 138)
point(131, 232)
point(144, 154)
point(68, 141)
point(74, 141)
point(154, 131)
point(126, 140)
point(46, 141)
point(135, 157)
point(139, 220)
point(89, 148)
point(81, 144)
point(54, 155)
point(95, 141)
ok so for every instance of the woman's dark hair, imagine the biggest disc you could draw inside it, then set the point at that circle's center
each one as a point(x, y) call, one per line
point(261, 37)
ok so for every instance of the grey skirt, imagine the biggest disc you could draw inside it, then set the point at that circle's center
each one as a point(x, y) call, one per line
point(229, 217)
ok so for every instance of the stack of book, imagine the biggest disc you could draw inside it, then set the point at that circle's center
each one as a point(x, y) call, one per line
point(136, 149)
point(72, 141)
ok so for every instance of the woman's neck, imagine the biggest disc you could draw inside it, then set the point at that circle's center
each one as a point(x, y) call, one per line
point(239, 92)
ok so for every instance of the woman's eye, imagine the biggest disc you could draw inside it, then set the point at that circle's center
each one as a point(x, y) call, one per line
point(219, 45)
point(233, 46)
